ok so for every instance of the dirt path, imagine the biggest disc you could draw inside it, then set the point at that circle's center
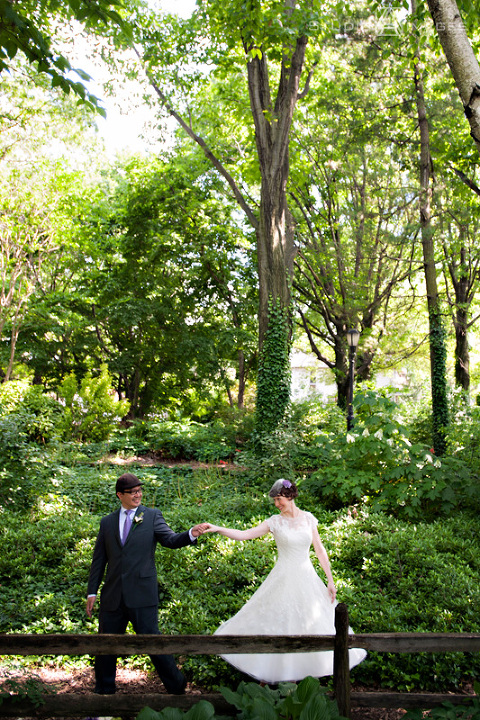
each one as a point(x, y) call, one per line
point(138, 682)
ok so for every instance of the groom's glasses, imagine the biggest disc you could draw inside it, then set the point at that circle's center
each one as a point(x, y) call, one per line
point(133, 492)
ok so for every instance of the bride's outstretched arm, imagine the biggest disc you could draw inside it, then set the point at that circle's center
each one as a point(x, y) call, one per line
point(250, 534)
point(322, 556)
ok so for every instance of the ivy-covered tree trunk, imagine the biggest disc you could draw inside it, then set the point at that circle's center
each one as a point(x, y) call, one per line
point(275, 247)
point(273, 384)
point(462, 274)
point(437, 333)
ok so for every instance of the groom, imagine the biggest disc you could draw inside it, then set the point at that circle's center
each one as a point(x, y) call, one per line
point(125, 546)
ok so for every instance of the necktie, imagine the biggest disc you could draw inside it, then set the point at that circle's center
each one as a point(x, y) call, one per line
point(127, 525)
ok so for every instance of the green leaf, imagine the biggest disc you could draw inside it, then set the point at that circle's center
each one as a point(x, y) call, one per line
point(202, 710)
point(147, 713)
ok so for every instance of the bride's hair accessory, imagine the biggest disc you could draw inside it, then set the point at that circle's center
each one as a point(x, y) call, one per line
point(283, 487)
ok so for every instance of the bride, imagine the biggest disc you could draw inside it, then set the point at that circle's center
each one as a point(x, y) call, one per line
point(292, 600)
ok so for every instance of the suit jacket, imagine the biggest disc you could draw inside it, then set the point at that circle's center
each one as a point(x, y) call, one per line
point(131, 572)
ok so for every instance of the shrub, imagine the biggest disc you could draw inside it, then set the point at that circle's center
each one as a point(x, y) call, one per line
point(192, 440)
point(91, 411)
point(396, 576)
point(23, 464)
point(376, 463)
point(33, 410)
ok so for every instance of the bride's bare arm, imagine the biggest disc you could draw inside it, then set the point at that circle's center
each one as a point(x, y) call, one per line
point(250, 534)
point(322, 556)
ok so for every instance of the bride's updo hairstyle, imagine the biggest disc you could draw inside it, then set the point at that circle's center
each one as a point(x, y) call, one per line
point(285, 488)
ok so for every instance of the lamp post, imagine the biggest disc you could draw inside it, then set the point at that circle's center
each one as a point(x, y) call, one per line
point(353, 337)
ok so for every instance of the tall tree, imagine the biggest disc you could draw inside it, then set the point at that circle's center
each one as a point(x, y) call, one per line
point(353, 263)
point(42, 134)
point(265, 48)
point(458, 230)
point(355, 211)
point(437, 336)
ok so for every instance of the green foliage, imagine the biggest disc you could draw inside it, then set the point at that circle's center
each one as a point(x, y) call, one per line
point(463, 437)
point(173, 288)
point(376, 463)
point(468, 710)
point(396, 576)
point(305, 700)
point(29, 31)
point(203, 710)
point(393, 575)
point(36, 412)
point(272, 454)
point(273, 385)
point(43, 569)
point(31, 689)
point(295, 702)
point(27, 419)
point(91, 410)
point(191, 440)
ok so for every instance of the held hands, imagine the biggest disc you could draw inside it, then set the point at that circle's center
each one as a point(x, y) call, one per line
point(204, 528)
point(198, 530)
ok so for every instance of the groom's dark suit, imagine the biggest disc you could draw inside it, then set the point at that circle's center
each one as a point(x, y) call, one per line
point(130, 591)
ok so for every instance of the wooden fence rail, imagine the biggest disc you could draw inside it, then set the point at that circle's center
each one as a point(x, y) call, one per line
point(71, 705)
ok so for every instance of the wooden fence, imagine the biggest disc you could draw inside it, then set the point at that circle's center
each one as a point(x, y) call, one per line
point(91, 705)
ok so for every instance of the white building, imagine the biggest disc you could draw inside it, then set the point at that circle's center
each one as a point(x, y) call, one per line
point(311, 378)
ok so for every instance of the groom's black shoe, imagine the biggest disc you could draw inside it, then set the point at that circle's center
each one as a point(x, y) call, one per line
point(101, 691)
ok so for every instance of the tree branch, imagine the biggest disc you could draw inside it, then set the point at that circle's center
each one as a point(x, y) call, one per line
point(469, 183)
point(201, 143)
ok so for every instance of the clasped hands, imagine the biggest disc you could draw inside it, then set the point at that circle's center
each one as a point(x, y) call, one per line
point(202, 528)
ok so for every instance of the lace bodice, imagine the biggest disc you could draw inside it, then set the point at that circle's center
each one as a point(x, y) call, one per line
point(293, 536)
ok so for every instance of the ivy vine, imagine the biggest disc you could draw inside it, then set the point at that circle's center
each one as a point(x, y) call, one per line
point(440, 410)
point(274, 375)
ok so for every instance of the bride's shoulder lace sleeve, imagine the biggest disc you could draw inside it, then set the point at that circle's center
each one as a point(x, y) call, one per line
point(272, 522)
point(312, 520)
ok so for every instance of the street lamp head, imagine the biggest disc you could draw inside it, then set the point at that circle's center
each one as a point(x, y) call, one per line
point(353, 337)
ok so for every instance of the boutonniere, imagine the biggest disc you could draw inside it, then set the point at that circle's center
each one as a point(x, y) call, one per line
point(138, 518)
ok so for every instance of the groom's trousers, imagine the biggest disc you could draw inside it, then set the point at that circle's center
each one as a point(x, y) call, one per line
point(145, 622)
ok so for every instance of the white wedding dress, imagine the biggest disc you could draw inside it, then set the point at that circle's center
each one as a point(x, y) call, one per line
point(292, 600)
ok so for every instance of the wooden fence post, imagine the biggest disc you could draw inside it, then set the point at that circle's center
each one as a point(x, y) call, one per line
point(341, 666)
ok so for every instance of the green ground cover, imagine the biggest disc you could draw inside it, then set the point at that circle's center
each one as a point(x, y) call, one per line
point(394, 574)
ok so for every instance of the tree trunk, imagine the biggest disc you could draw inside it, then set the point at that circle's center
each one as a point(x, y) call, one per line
point(242, 380)
point(462, 354)
point(275, 246)
point(274, 249)
point(461, 59)
point(437, 334)
point(274, 227)
point(341, 370)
